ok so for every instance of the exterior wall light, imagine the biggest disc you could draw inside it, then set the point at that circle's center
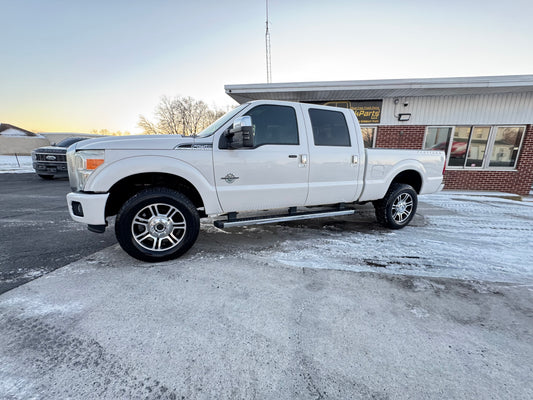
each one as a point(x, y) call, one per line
point(404, 117)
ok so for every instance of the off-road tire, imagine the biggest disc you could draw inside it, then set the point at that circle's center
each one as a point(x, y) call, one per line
point(146, 233)
point(399, 197)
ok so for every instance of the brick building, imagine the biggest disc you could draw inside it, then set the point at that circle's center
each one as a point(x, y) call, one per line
point(484, 124)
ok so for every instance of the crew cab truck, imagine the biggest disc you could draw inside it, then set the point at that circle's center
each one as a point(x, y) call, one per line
point(274, 161)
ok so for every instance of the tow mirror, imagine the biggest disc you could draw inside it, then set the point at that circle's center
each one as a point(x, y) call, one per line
point(241, 122)
point(241, 133)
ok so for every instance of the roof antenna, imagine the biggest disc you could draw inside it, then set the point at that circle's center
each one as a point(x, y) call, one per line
point(267, 44)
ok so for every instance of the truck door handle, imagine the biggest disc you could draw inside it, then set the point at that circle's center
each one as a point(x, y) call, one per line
point(355, 160)
point(303, 160)
point(293, 156)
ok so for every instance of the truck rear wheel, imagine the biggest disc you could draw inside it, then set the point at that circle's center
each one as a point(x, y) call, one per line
point(157, 224)
point(398, 207)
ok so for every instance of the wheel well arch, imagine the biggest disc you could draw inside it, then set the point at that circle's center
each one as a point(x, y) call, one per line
point(409, 177)
point(124, 189)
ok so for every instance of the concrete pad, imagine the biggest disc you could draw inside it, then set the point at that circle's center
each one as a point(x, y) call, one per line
point(228, 325)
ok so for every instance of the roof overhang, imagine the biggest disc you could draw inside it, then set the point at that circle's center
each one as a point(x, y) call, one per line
point(379, 89)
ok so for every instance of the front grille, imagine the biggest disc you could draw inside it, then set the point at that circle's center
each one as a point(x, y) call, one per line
point(42, 157)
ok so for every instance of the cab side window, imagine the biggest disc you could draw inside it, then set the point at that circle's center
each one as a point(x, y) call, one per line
point(329, 128)
point(274, 125)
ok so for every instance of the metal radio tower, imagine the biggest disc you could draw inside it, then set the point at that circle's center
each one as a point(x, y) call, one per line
point(267, 44)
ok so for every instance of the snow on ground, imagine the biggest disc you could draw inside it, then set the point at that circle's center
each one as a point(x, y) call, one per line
point(15, 164)
point(455, 235)
point(466, 235)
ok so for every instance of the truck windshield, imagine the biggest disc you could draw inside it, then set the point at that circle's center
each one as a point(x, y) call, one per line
point(221, 121)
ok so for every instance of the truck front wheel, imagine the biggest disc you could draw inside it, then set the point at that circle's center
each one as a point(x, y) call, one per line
point(398, 207)
point(157, 224)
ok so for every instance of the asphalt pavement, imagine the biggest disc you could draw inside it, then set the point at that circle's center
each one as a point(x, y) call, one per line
point(37, 234)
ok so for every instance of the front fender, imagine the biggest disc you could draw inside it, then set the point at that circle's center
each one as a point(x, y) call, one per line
point(110, 173)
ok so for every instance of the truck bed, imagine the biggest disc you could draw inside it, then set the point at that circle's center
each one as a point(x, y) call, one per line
point(382, 165)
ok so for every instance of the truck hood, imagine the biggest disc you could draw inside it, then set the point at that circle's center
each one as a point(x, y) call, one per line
point(138, 142)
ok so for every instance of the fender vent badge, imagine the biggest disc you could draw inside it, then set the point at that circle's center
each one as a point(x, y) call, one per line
point(230, 178)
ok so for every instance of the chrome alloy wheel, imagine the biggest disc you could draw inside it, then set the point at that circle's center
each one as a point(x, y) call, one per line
point(402, 208)
point(158, 227)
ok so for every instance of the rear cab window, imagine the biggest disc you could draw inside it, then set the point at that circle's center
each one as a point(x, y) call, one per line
point(329, 128)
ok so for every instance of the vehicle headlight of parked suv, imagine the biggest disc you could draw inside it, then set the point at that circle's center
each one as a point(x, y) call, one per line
point(82, 164)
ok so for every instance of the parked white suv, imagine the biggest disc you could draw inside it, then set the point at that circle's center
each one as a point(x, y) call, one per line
point(303, 160)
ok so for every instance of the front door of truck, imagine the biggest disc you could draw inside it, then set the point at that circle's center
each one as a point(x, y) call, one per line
point(271, 174)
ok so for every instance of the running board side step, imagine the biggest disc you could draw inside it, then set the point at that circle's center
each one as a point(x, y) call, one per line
point(279, 218)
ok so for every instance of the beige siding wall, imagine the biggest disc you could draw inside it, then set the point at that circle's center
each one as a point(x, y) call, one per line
point(25, 144)
point(21, 145)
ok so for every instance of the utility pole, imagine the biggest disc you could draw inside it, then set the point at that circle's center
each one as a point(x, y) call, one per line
point(267, 44)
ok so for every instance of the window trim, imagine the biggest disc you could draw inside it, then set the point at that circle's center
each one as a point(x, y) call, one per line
point(485, 166)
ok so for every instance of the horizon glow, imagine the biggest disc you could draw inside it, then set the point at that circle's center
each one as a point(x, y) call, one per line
point(78, 67)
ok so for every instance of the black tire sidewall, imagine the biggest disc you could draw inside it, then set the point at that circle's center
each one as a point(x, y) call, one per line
point(141, 200)
point(395, 191)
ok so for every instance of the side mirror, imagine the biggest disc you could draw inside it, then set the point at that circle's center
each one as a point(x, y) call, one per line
point(241, 133)
point(241, 122)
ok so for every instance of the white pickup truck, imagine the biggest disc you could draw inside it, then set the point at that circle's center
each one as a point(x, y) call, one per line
point(274, 161)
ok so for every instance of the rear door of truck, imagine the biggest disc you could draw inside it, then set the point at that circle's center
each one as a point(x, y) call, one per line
point(335, 163)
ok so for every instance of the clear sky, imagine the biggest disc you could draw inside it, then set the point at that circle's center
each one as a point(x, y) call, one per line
point(73, 65)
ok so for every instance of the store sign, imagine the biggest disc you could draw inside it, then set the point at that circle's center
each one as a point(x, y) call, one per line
point(367, 111)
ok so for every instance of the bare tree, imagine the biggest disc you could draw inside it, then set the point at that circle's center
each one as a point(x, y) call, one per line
point(180, 115)
point(148, 127)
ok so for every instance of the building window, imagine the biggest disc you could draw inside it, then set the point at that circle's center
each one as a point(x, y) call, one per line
point(470, 146)
point(478, 147)
point(461, 137)
point(438, 138)
point(329, 128)
point(507, 143)
point(369, 136)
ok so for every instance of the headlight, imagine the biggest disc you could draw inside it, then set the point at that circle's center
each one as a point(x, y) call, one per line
point(85, 163)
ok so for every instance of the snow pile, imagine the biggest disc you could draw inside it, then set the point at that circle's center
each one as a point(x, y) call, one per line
point(18, 164)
